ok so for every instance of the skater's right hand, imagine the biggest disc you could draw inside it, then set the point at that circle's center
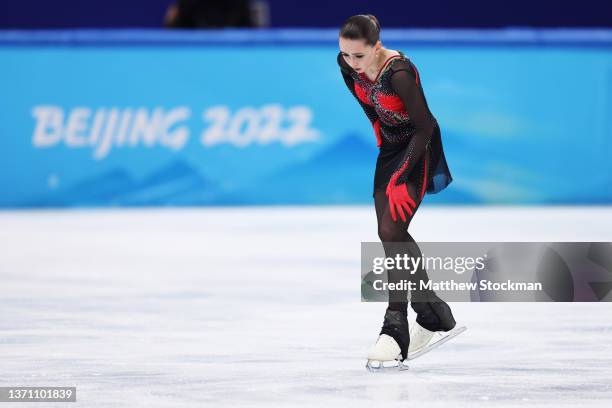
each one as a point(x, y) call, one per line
point(400, 200)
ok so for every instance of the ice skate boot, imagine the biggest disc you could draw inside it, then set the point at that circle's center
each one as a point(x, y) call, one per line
point(435, 325)
point(391, 348)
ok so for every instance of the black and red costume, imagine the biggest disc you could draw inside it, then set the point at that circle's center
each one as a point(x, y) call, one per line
point(407, 133)
point(410, 163)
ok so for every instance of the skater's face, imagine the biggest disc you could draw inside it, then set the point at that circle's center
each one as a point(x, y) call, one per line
point(359, 55)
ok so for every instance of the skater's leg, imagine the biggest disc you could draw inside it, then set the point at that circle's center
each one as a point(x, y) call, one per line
point(432, 313)
point(390, 233)
point(397, 240)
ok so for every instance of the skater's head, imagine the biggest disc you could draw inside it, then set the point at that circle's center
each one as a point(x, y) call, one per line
point(360, 41)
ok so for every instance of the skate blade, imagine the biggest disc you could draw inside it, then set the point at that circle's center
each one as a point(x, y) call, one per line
point(449, 335)
point(375, 366)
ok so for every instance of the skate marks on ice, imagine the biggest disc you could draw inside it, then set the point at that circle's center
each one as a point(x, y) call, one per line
point(398, 365)
point(515, 355)
point(137, 308)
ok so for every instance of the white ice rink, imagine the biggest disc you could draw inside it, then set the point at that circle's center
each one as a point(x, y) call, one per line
point(261, 307)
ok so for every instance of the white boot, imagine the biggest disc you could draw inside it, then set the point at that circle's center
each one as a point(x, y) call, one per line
point(385, 349)
point(419, 338)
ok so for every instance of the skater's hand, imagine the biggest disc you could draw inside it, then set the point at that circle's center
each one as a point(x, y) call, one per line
point(400, 200)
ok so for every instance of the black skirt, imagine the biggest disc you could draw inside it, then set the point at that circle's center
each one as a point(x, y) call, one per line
point(431, 172)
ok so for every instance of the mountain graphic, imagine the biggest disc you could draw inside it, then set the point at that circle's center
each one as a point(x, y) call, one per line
point(100, 189)
point(177, 183)
point(340, 173)
point(470, 160)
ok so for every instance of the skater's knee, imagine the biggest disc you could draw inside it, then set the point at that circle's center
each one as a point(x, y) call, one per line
point(391, 233)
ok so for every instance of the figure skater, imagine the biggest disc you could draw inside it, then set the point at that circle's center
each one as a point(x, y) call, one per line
point(410, 163)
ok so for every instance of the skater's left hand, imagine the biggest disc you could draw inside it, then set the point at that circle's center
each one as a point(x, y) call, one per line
point(400, 200)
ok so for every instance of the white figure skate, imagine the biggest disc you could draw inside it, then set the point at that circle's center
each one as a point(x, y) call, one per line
point(385, 355)
point(422, 341)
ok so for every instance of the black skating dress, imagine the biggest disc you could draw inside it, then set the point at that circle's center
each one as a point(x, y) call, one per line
point(407, 133)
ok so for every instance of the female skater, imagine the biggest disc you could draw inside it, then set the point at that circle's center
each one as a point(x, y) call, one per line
point(410, 163)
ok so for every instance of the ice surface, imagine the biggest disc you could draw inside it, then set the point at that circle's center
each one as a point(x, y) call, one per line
point(261, 307)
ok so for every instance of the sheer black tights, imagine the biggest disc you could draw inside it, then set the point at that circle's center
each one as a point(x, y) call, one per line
point(432, 313)
point(390, 232)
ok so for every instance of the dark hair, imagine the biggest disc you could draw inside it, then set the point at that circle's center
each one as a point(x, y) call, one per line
point(361, 27)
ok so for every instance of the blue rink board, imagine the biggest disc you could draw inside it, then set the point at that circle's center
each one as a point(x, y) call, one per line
point(132, 118)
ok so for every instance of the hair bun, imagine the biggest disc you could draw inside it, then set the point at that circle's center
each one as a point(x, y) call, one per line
point(361, 26)
point(374, 20)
